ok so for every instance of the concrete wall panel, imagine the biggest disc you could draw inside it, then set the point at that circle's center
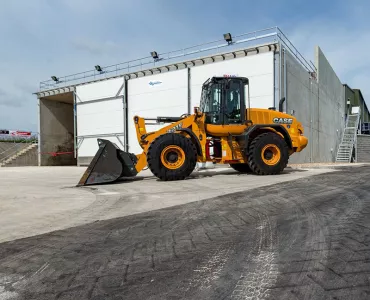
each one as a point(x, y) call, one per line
point(331, 108)
point(298, 88)
point(318, 105)
point(56, 132)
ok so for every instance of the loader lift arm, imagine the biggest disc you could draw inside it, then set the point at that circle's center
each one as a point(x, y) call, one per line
point(111, 163)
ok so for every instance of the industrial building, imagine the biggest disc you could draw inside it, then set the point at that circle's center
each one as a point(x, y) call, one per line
point(77, 109)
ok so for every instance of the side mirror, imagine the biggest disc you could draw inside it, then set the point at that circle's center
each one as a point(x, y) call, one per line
point(196, 110)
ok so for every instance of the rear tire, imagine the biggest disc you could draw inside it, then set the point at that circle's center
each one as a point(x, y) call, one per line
point(268, 154)
point(242, 168)
point(172, 156)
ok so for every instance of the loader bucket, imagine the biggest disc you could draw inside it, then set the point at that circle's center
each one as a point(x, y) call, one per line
point(108, 164)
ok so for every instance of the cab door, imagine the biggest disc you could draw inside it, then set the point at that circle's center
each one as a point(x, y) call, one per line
point(234, 103)
point(229, 118)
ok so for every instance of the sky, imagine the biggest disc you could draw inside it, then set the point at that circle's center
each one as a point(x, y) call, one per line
point(40, 38)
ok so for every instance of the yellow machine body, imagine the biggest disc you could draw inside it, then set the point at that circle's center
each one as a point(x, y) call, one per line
point(231, 151)
point(224, 130)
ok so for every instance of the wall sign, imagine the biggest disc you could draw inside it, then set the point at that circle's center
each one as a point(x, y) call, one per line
point(155, 82)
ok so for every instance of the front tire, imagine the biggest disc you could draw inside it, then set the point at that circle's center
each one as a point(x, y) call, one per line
point(268, 154)
point(172, 156)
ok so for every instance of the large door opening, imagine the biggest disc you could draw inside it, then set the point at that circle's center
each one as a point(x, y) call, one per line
point(57, 130)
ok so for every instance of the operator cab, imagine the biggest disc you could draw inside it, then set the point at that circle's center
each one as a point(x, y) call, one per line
point(223, 100)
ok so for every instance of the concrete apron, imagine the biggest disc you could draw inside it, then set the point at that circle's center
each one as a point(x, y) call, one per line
point(36, 200)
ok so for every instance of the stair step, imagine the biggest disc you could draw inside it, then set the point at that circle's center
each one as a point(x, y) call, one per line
point(348, 142)
point(18, 154)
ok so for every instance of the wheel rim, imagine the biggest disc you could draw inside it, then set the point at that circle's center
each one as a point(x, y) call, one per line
point(271, 154)
point(172, 157)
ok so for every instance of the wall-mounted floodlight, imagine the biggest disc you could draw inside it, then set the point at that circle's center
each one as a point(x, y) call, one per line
point(98, 68)
point(55, 78)
point(228, 38)
point(154, 54)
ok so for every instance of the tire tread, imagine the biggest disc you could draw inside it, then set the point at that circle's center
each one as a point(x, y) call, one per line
point(260, 169)
point(154, 153)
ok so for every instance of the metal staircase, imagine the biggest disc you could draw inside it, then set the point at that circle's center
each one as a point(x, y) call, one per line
point(349, 139)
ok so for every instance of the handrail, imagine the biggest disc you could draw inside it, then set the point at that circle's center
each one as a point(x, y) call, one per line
point(295, 52)
point(19, 149)
point(272, 34)
point(11, 148)
point(19, 145)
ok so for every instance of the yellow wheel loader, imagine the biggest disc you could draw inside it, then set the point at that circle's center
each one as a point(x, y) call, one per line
point(222, 130)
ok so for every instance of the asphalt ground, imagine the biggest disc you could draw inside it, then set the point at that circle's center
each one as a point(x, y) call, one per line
point(308, 238)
